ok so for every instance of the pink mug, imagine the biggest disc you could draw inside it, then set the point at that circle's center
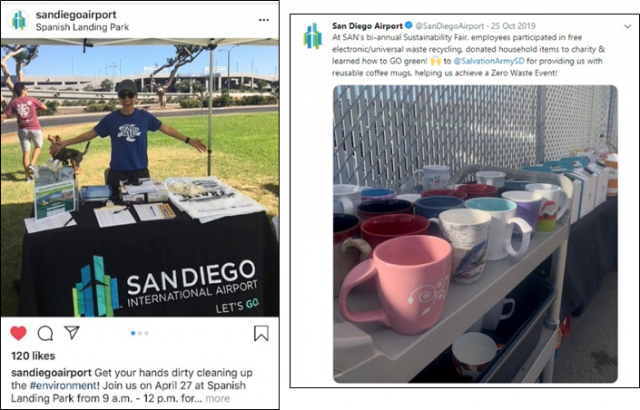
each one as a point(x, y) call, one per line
point(412, 275)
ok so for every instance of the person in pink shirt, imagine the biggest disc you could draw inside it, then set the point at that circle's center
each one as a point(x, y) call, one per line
point(29, 129)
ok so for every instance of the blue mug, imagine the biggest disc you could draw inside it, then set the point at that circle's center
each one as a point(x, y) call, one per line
point(370, 209)
point(433, 206)
point(375, 194)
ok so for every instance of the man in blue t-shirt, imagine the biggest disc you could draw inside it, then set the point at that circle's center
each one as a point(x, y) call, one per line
point(128, 129)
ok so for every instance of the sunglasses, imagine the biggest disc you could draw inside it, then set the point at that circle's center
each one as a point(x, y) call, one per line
point(124, 94)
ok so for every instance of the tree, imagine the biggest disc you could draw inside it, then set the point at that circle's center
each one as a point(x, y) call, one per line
point(198, 87)
point(261, 86)
point(107, 85)
point(184, 86)
point(23, 55)
point(183, 55)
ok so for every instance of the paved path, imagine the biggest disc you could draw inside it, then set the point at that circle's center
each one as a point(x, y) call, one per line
point(590, 353)
point(10, 126)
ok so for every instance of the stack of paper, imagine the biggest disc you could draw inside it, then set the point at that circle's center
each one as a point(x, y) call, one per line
point(144, 187)
point(208, 199)
point(54, 222)
point(113, 216)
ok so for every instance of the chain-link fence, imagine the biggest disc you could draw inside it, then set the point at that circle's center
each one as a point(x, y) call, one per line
point(382, 134)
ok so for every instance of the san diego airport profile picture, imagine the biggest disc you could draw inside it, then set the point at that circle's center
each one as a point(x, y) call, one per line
point(18, 20)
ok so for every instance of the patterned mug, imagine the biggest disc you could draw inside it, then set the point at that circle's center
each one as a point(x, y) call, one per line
point(472, 352)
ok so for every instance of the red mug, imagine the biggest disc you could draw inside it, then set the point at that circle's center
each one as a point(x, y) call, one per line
point(379, 229)
point(479, 190)
point(445, 192)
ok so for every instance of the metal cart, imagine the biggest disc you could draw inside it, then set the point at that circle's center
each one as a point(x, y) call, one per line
point(373, 353)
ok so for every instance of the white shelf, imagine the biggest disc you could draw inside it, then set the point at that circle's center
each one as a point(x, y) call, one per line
point(373, 353)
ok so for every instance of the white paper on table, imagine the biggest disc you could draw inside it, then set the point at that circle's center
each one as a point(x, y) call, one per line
point(149, 212)
point(146, 186)
point(113, 216)
point(53, 222)
point(217, 200)
point(242, 210)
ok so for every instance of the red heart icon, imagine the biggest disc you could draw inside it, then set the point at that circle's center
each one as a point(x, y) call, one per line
point(18, 332)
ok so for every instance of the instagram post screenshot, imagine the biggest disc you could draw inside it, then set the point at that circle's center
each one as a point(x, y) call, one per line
point(473, 170)
point(140, 269)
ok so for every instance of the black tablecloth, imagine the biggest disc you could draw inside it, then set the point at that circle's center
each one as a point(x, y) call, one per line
point(592, 252)
point(178, 267)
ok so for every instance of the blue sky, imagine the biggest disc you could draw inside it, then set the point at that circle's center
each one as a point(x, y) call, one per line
point(58, 60)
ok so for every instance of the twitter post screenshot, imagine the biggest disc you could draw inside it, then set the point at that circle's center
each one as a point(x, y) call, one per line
point(140, 269)
point(465, 182)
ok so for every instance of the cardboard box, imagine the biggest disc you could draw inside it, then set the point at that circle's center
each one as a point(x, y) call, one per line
point(132, 199)
point(590, 187)
point(161, 195)
point(593, 185)
point(588, 191)
point(603, 182)
point(575, 201)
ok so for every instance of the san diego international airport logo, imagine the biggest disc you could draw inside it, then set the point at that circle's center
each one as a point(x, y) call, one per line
point(18, 19)
point(97, 294)
point(313, 38)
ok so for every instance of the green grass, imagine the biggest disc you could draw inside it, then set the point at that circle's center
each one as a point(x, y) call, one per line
point(245, 156)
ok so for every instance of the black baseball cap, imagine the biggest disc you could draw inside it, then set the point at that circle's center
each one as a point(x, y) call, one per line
point(128, 85)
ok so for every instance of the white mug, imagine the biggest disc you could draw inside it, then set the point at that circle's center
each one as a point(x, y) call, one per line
point(503, 218)
point(554, 198)
point(493, 178)
point(472, 352)
point(346, 199)
point(495, 315)
point(434, 176)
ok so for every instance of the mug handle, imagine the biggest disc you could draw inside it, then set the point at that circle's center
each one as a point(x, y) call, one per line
point(360, 244)
point(437, 222)
point(361, 273)
point(565, 205)
point(422, 178)
point(347, 205)
point(439, 225)
point(511, 302)
point(526, 238)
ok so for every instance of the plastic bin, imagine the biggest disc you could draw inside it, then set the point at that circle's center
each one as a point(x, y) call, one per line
point(520, 334)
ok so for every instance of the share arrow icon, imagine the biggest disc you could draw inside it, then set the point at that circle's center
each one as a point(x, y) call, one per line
point(73, 330)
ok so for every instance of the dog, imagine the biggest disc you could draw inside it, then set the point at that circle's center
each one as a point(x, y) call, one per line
point(69, 156)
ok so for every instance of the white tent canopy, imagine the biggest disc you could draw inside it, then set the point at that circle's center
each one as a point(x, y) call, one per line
point(143, 41)
point(211, 43)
